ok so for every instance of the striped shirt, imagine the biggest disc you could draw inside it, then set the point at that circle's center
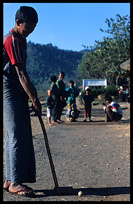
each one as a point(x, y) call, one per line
point(14, 53)
point(116, 107)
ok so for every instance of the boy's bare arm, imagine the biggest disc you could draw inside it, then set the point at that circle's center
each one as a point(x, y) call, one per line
point(28, 87)
point(107, 106)
point(83, 101)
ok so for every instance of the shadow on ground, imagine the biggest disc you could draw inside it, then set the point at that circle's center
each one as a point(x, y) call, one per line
point(86, 191)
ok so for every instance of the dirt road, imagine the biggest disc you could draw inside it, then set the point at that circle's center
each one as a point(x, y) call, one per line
point(93, 157)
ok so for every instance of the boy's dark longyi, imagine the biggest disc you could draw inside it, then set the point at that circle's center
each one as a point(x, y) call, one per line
point(58, 190)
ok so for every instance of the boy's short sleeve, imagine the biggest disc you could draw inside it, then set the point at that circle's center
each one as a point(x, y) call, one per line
point(13, 49)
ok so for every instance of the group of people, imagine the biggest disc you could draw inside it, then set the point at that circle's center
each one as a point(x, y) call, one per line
point(58, 97)
point(17, 89)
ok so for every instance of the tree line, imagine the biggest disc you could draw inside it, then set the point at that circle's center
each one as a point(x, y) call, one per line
point(46, 60)
point(106, 56)
point(99, 61)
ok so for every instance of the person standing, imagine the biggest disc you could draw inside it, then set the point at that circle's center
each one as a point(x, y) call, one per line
point(17, 89)
point(50, 105)
point(87, 101)
point(57, 101)
point(71, 94)
point(61, 87)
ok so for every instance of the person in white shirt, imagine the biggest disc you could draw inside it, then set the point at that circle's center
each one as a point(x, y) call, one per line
point(113, 111)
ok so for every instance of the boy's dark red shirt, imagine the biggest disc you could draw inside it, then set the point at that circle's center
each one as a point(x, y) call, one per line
point(14, 52)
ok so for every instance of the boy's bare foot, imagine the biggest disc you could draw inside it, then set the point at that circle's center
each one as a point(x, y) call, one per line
point(20, 189)
point(50, 124)
point(6, 184)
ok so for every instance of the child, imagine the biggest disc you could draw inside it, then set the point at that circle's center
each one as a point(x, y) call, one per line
point(57, 99)
point(50, 105)
point(113, 111)
point(71, 94)
point(72, 113)
point(87, 100)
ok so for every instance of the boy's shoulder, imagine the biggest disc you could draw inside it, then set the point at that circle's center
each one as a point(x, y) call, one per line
point(115, 104)
point(58, 80)
point(67, 89)
point(85, 95)
point(48, 97)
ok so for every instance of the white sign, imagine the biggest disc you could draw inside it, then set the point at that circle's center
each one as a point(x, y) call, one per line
point(94, 82)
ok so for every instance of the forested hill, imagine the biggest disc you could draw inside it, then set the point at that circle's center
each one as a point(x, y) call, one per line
point(46, 60)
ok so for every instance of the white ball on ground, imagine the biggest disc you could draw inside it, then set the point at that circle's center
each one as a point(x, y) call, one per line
point(80, 193)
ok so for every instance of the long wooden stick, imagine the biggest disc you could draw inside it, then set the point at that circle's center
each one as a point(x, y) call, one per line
point(49, 154)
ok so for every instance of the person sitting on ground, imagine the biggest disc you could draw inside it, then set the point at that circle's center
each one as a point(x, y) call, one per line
point(87, 101)
point(50, 105)
point(73, 113)
point(113, 111)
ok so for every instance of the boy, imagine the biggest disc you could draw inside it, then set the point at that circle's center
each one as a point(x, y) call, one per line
point(57, 101)
point(50, 105)
point(17, 88)
point(72, 113)
point(71, 94)
point(87, 100)
point(113, 111)
point(61, 86)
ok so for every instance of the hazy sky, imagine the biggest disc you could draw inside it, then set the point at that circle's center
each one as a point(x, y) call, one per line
point(67, 25)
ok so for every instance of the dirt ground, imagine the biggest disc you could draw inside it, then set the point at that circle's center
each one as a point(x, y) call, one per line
point(92, 157)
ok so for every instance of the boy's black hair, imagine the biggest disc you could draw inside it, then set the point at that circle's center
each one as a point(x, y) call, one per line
point(109, 98)
point(26, 14)
point(53, 78)
point(63, 73)
point(71, 81)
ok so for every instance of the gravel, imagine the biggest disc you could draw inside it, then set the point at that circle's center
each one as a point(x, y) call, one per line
point(92, 157)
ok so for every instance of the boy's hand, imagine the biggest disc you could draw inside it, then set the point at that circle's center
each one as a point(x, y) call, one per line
point(83, 101)
point(37, 106)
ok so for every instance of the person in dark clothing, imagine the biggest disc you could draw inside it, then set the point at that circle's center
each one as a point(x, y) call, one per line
point(72, 113)
point(87, 101)
point(56, 97)
point(61, 87)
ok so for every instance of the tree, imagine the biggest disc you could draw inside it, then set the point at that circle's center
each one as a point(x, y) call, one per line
point(46, 60)
point(106, 56)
